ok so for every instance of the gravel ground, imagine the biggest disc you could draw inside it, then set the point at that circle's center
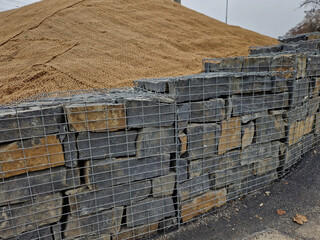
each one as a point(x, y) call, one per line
point(255, 216)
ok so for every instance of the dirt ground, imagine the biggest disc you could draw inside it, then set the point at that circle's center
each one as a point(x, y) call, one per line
point(296, 193)
point(58, 45)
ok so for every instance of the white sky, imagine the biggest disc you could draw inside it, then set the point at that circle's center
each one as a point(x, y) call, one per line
point(269, 17)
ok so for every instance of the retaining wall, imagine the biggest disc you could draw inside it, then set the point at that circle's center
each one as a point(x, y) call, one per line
point(128, 163)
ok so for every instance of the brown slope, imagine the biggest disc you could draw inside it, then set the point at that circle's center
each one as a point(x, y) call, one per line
point(58, 46)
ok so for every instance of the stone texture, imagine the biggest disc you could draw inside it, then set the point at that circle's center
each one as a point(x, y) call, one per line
point(266, 165)
point(182, 169)
point(206, 165)
point(138, 232)
point(293, 154)
point(230, 135)
point(247, 118)
point(70, 149)
point(168, 223)
point(317, 124)
point(84, 202)
point(155, 141)
point(256, 64)
point(42, 233)
point(298, 129)
point(256, 152)
point(283, 62)
point(195, 168)
point(247, 134)
point(183, 116)
point(16, 124)
point(30, 155)
point(202, 204)
point(244, 105)
point(300, 91)
point(315, 86)
point(202, 140)
point(106, 222)
point(183, 143)
point(241, 83)
point(101, 174)
point(194, 187)
point(21, 188)
point(149, 210)
point(307, 143)
point(163, 186)
point(147, 113)
point(96, 117)
point(208, 111)
point(110, 144)
point(270, 128)
point(19, 218)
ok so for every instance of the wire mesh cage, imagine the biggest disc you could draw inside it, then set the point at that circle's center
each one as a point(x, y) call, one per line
point(130, 163)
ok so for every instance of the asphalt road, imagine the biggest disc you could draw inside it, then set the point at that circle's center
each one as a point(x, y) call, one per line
point(256, 217)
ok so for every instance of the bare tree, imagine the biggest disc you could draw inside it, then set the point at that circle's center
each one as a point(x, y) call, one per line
point(310, 3)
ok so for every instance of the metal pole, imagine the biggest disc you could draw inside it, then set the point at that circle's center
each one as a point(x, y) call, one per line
point(227, 6)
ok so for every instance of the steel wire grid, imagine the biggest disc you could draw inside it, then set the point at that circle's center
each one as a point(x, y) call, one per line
point(130, 163)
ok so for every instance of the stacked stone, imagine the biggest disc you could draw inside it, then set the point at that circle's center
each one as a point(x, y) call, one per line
point(87, 167)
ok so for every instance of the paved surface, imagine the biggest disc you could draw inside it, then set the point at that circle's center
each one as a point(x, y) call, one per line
point(296, 193)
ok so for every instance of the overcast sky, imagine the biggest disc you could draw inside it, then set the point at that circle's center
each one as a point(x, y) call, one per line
point(269, 17)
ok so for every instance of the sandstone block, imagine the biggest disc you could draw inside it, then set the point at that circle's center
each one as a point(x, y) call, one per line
point(203, 204)
point(22, 187)
point(138, 232)
point(298, 129)
point(266, 165)
point(101, 174)
point(194, 187)
point(183, 143)
point(195, 168)
point(149, 210)
point(163, 186)
point(244, 105)
point(208, 111)
point(111, 144)
point(30, 155)
point(34, 122)
point(256, 152)
point(96, 117)
point(155, 141)
point(149, 113)
point(84, 202)
point(247, 134)
point(20, 218)
point(106, 222)
point(202, 140)
point(230, 135)
point(270, 128)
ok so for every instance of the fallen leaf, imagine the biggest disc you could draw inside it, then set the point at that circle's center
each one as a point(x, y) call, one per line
point(267, 193)
point(285, 182)
point(261, 204)
point(280, 212)
point(300, 219)
point(260, 218)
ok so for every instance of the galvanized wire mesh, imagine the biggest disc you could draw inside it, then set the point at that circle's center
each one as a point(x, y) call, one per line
point(130, 163)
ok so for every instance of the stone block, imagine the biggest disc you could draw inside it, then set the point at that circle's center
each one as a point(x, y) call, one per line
point(202, 140)
point(148, 113)
point(283, 63)
point(22, 187)
point(155, 141)
point(42, 233)
point(96, 117)
point(101, 174)
point(266, 165)
point(70, 150)
point(256, 64)
point(293, 154)
point(183, 143)
point(203, 204)
point(182, 169)
point(138, 232)
point(56, 230)
point(270, 128)
point(247, 118)
point(30, 155)
point(105, 223)
point(183, 116)
point(222, 178)
point(251, 83)
point(199, 167)
point(208, 111)
point(257, 152)
point(313, 106)
point(195, 168)
point(93, 145)
point(255, 183)
point(230, 160)
point(317, 124)
point(230, 65)
point(247, 134)
point(300, 91)
point(194, 187)
point(19, 218)
point(84, 202)
point(298, 129)
point(163, 186)
point(149, 210)
point(307, 143)
point(16, 124)
point(315, 86)
point(230, 135)
point(244, 105)
point(313, 66)
point(280, 83)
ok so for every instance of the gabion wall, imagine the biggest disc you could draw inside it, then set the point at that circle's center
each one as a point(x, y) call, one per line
point(129, 163)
